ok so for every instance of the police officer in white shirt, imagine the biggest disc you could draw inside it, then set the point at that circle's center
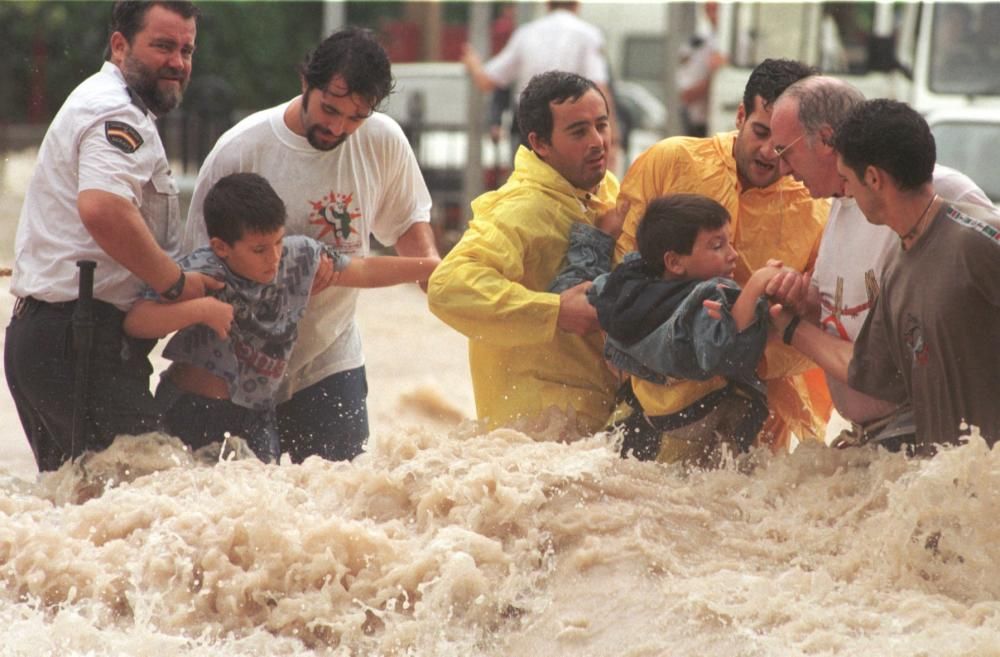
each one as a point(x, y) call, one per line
point(102, 191)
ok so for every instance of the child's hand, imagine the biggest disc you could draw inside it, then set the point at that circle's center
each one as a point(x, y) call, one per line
point(713, 308)
point(790, 288)
point(326, 275)
point(216, 315)
point(761, 279)
point(611, 222)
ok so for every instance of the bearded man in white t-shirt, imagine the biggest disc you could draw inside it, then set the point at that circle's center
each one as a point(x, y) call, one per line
point(345, 172)
point(853, 251)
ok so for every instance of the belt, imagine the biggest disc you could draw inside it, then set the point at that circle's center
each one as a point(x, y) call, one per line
point(25, 304)
point(29, 304)
point(898, 424)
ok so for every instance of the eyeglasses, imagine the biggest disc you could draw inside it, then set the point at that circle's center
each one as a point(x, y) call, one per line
point(781, 150)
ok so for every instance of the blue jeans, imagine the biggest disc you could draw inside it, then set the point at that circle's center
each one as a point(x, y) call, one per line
point(327, 419)
point(587, 257)
point(199, 421)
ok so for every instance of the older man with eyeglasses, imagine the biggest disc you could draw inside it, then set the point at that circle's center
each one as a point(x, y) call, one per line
point(852, 252)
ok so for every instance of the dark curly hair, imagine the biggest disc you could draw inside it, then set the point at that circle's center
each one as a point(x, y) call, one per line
point(355, 55)
point(533, 111)
point(770, 79)
point(891, 136)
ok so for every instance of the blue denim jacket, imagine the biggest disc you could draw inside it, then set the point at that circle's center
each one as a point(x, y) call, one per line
point(588, 256)
point(690, 344)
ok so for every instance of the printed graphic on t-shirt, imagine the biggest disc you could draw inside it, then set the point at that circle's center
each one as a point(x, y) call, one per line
point(960, 217)
point(337, 215)
point(263, 332)
point(833, 309)
point(914, 338)
point(265, 323)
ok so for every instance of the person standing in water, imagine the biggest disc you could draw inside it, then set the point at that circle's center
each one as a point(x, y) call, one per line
point(929, 339)
point(345, 172)
point(102, 191)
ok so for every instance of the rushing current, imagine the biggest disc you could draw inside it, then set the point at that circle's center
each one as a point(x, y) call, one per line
point(444, 539)
point(466, 543)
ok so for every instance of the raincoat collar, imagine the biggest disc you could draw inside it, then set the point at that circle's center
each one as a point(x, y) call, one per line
point(531, 170)
point(725, 142)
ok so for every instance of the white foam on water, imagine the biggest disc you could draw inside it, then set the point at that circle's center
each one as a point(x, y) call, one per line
point(445, 540)
point(499, 544)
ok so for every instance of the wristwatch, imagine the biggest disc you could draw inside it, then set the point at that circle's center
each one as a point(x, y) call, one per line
point(173, 293)
point(789, 332)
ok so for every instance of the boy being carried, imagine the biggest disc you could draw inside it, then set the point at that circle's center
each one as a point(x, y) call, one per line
point(651, 308)
point(232, 348)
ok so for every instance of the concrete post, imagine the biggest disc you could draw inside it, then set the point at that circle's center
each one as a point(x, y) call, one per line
point(479, 37)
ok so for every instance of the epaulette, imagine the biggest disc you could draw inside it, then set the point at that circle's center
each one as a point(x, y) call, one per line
point(136, 100)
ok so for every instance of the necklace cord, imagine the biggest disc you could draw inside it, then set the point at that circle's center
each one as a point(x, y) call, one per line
point(913, 231)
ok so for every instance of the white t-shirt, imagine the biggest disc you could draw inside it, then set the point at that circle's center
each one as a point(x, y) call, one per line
point(852, 255)
point(696, 66)
point(560, 40)
point(99, 140)
point(370, 184)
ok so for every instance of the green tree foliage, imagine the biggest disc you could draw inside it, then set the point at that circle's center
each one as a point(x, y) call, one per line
point(248, 50)
point(50, 47)
point(256, 47)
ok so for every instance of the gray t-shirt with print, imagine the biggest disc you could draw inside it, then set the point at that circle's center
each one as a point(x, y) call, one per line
point(265, 324)
point(931, 337)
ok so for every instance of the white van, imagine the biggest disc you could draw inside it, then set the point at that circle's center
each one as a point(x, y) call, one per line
point(968, 139)
point(932, 55)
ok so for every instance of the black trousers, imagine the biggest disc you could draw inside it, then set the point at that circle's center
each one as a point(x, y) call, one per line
point(40, 365)
point(643, 434)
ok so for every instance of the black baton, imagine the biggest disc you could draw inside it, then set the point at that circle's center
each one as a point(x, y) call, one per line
point(83, 340)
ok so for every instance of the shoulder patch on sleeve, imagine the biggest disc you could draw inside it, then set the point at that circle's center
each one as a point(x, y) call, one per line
point(122, 136)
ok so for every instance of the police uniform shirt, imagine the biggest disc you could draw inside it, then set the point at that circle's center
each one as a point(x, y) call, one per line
point(103, 138)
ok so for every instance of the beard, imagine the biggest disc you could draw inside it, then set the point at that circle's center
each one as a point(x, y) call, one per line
point(314, 134)
point(146, 83)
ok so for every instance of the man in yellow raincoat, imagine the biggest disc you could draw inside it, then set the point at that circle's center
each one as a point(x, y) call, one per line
point(772, 217)
point(530, 349)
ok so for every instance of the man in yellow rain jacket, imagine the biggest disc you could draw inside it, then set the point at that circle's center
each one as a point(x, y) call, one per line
point(530, 349)
point(772, 217)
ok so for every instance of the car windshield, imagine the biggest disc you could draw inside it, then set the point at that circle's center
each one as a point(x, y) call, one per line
point(971, 147)
point(965, 55)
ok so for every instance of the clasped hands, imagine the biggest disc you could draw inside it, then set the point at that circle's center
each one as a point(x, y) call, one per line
point(786, 291)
